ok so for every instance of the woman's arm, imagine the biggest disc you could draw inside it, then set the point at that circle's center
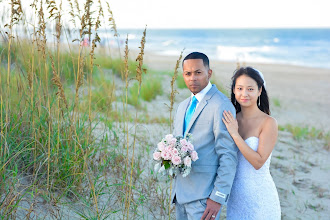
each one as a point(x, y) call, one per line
point(267, 140)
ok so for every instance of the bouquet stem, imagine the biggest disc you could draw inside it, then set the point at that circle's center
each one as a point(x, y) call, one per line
point(170, 201)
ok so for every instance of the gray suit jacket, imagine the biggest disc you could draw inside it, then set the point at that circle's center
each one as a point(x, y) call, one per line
point(213, 173)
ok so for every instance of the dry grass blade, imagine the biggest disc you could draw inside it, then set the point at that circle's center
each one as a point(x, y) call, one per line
point(71, 12)
point(126, 70)
point(42, 31)
point(112, 22)
point(80, 76)
point(174, 91)
point(30, 77)
point(57, 82)
point(96, 39)
point(139, 71)
point(115, 32)
point(88, 18)
point(101, 14)
point(126, 116)
point(56, 14)
point(85, 22)
point(16, 12)
point(139, 59)
point(77, 6)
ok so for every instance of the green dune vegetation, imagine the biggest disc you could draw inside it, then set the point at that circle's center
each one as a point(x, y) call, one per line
point(59, 129)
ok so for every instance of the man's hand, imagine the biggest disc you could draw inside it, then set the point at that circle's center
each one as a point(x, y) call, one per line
point(211, 211)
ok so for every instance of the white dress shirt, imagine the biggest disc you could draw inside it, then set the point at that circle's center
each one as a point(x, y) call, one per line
point(199, 96)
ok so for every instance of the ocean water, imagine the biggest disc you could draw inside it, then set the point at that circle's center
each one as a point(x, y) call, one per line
point(306, 47)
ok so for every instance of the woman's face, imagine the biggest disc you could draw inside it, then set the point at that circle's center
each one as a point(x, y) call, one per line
point(246, 91)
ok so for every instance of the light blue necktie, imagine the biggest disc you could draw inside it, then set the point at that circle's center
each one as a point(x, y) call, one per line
point(189, 113)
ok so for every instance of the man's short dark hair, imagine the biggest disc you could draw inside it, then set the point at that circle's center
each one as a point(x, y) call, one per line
point(198, 55)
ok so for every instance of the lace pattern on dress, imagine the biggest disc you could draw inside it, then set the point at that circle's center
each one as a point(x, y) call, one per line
point(253, 195)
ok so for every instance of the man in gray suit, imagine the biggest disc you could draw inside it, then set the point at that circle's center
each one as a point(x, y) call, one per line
point(202, 193)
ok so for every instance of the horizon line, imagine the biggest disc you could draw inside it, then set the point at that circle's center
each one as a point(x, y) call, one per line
point(208, 28)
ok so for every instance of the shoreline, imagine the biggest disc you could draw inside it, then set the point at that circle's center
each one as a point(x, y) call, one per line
point(173, 58)
point(155, 53)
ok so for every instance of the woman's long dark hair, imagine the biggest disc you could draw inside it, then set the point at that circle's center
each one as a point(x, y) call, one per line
point(254, 74)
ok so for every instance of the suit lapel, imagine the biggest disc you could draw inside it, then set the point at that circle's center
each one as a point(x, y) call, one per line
point(181, 115)
point(200, 107)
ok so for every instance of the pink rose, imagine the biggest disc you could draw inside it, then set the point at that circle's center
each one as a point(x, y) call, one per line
point(187, 161)
point(169, 149)
point(184, 148)
point(157, 156)
point(175, 151)
point(163, 154)
point(166, 155)
point(194, 155)
point(161, 146)
point(176, 160)
point(172, 141)
point(190, 147)
point(168, 138)
point(183, 142)
point(170, 145)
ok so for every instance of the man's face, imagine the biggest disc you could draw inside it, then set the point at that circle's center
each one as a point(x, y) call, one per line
point(196, 75)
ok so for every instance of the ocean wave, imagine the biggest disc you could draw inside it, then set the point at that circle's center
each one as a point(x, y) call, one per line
point(276, 40)
point(168, 42)
point(169, 52)
point(307, 47)
point(231, 53)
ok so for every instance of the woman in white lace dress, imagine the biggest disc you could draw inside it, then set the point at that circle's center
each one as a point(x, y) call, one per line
point(253, 195)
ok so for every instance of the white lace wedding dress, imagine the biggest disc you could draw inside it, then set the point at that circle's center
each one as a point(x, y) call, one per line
point(253, 195)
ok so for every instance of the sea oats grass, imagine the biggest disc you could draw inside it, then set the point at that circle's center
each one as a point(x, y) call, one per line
point(65, 144)
point(173, 90)
point(139, 71)
point(39, 139)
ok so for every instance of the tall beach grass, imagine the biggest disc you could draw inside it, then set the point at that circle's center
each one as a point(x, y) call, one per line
point(60, 132)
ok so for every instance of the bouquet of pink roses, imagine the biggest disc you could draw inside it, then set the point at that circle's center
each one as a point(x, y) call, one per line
point(174, 155)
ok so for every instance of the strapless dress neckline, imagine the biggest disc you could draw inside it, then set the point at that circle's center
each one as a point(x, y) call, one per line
point(251, 137)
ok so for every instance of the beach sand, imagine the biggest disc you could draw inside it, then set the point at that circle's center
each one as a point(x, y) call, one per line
point(300, 168)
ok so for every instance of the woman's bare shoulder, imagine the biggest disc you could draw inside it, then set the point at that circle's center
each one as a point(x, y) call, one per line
point(269, 122)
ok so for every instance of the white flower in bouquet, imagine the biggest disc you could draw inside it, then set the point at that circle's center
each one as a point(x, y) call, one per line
point(174, 155)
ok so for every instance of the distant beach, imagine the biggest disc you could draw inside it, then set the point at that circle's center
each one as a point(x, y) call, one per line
point(307, 47)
